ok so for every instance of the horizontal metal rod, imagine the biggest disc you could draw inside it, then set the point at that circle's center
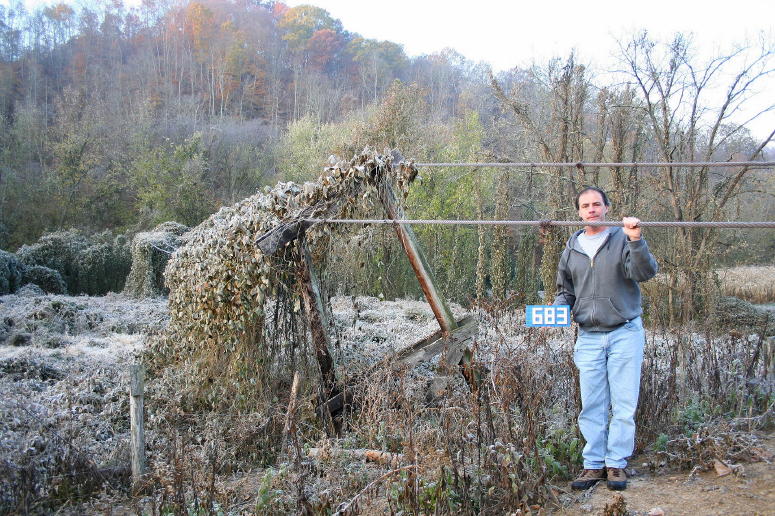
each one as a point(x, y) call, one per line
point(687, 164)
point(643, 223)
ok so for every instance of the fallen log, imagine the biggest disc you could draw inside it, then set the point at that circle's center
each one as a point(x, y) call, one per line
point(379, 457)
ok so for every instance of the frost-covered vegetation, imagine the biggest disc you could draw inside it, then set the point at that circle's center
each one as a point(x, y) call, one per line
point(65, 405)
point(63, 395)
point(221, 283)
point(88, 264)
point(151, 251)
point(11, 273)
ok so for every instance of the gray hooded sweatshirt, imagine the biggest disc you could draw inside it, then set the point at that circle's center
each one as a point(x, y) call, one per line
point(603, 292)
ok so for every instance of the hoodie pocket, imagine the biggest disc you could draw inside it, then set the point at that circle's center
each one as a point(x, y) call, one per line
point(597, 311)
point(607, 314)
point(582, 311)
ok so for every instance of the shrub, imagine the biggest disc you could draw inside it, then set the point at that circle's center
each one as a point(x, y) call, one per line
point(92, 265)
point(104, 266)
point(47, 279)
point(30, 290)
point(56, 251)
point(150, 253)
point(11, 273)
point(734, 313)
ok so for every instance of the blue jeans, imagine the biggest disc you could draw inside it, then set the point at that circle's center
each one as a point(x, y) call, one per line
point(609, 374)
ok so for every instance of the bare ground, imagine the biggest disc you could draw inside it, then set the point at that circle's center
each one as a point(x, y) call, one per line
point(748, 491)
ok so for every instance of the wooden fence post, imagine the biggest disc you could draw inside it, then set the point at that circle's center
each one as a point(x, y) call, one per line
point(318, 324)
point(137, 443)
point(417, 260)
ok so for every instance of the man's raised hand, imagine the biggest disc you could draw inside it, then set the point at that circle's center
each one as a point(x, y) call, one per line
point(631, 227)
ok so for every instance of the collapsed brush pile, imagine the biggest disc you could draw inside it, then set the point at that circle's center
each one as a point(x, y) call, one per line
point(236, 315)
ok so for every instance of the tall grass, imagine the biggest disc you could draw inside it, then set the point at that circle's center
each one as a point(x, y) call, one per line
point(752, 283)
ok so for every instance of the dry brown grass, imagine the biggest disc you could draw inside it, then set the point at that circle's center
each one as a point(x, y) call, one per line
point(752, 283)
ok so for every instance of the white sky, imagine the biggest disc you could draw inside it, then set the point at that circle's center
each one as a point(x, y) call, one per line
point(513, 33)
point(518, 33)
point(510, 33)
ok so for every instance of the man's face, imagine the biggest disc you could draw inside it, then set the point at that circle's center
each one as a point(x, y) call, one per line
point(591, 207)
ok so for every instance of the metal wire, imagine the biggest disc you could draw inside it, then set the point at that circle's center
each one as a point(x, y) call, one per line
point(688, 164)
point(643, 223)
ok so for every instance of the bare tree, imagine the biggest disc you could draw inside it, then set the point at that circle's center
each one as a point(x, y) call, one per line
point(676, 92)
point(559, 136)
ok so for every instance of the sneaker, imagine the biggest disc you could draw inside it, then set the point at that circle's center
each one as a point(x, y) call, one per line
point(617, 479)
point(587, 479)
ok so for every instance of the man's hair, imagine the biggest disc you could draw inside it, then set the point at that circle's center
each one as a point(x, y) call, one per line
point(592, 189)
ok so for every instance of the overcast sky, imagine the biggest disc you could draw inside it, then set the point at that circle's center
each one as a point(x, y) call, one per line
point(510, 33)
point(513, 33)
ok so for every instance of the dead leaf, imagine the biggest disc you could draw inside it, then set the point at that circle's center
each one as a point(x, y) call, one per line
point(722, 469)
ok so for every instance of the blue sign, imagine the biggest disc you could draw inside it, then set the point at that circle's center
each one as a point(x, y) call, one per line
point(547, 315)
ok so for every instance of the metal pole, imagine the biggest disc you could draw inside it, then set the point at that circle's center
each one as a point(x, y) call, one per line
point(662, 164)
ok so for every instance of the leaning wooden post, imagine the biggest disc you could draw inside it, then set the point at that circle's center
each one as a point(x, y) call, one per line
point(417, 260)
point(453, 356)
point(318, 322)
point(136, 387)
point(317, 315)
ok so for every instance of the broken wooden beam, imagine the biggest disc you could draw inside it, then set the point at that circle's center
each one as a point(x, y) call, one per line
point(417, 260)
point(279, 237)
point(453, 346)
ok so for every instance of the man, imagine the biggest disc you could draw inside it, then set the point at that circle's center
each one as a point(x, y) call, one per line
point(598, 277)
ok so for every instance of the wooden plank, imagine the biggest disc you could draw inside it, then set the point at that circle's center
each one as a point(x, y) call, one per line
point(453, 345)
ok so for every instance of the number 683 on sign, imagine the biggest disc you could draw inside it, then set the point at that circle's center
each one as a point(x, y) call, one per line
point(547, 315)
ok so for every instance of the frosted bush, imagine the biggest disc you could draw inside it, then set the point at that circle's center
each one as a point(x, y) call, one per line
point(151, 251)
point(47, 279)
point(93, 265)
point(11, 273)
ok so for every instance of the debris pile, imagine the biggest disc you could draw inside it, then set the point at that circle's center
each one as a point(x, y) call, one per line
point(234, 310)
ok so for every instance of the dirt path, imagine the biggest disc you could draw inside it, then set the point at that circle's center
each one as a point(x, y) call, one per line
point(750, 492)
